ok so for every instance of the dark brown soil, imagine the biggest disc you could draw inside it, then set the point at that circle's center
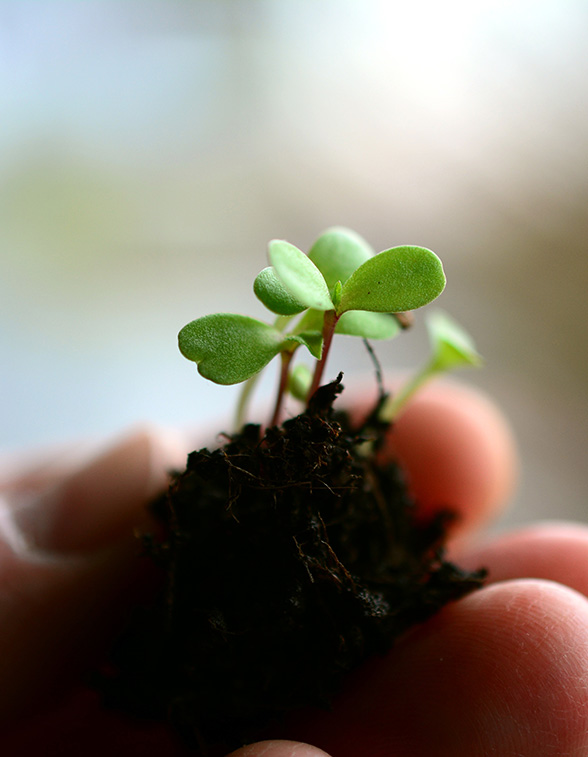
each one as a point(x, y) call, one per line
point(289, 558)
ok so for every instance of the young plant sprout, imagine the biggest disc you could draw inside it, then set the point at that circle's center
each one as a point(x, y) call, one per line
point(451, 348)
point(340, 287)
point(291, 553)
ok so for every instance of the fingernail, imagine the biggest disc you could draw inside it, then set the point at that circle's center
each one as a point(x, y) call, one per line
point(102, 501)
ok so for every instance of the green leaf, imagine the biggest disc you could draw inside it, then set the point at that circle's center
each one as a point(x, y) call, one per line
point(336, 295)
point(352, 323)
point(229, 348)
point(299, 275)
point(312, 340)
point(399, 279)
point(309, 332)
point(452, 346)
point(338, 253)
point(299, 381)
point(269, 289)
point(367, 325)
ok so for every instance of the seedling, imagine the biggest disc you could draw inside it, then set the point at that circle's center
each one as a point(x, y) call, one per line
point(339, 287)
point(451, 348)
point(291, 554)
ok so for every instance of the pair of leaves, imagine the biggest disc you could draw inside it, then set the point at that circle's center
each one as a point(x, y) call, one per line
point(338, 275)
point(334, 256)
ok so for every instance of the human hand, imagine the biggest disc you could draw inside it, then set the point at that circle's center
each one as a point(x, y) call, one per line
point(503, 671)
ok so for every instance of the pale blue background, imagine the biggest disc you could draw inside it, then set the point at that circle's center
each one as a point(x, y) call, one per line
point(149, 150)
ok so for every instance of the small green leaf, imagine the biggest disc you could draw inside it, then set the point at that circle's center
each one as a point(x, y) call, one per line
point(452, 346)
point(269, 289)
point(399, 279)
point(337, 289)
point(299, 381)
point(299, 275)
point(367, 325)
point(338, 253)
point(312, 340)
point(229, 348)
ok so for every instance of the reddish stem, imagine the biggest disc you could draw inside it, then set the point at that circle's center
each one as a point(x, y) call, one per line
point(286, 359)
point(329, 324)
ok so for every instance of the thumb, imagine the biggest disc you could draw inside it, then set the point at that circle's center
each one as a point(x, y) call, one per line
point(458, 452)
point(99, 502)
point(67, 556)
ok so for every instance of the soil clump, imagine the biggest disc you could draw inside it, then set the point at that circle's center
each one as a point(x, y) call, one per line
point(287, 558)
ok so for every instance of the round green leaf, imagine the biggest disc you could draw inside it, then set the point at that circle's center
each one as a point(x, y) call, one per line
point(399, 279)
point(338, 253)
point(367, 325)
point(269, 289)
point(299, 381)
point(299, 275)
point(229, 348)
point(452, 346)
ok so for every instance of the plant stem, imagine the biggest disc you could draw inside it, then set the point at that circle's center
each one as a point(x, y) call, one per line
point(286, 360)
point(395, 404)
point(378, 369)
point(329, 324)
point(244, 397)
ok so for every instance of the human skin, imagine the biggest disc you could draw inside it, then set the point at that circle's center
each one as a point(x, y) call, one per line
point(504, 671)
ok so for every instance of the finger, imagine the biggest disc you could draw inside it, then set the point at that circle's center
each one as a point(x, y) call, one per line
point(101, 500)
point(504, 671)
point(458, 453)
point(279, 749)
point(44, 466)
point(552, 551)
point(80, 725)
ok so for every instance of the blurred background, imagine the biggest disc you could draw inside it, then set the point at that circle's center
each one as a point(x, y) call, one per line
point(149, 150)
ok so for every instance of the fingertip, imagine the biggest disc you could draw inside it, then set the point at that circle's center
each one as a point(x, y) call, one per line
point(550, 550)
point(458, 452)
point(504, 671)
point(279, 749)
